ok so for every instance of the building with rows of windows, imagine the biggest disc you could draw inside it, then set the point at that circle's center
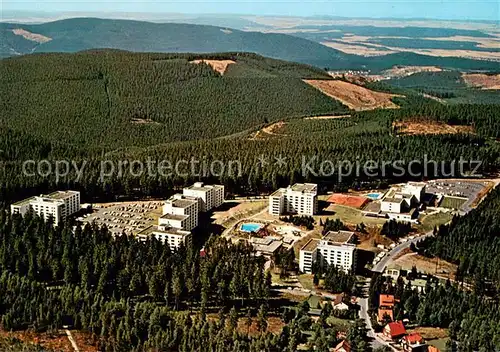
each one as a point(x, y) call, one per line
point(181, 214)
point(57, 205)
point(301, 199)
point(335, 248)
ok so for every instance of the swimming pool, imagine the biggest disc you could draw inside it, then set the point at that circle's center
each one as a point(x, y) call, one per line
point(373, 196)
point(250, 227)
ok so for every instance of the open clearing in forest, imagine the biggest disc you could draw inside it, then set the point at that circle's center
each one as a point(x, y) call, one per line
point(218, 65)
point(482, 80)
point(434, 266)
point(402, 71)
point(418, 127)
point(326, 117)
point(34, 37)
point(269, 131)
point(57, 341)
point(355, 97)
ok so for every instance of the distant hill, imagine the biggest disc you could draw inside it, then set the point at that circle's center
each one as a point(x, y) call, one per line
point(77, 34)
point(111, 99)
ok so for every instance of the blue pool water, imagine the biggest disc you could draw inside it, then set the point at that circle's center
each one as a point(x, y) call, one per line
point(250, 227)
point(373, 196)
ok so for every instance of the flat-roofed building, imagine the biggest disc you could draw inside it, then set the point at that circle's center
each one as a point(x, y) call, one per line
point(179, 204)
point(337, 248)
point(58, 205)
point(307, 255)
point(402, 198)
point(266, 246)
point(173, 220)
point(172, 236)
point(210, 196)
point(416, 189)
point(301, 199)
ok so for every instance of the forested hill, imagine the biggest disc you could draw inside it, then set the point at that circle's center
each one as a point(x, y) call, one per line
point(112, 99)
point(77, 34)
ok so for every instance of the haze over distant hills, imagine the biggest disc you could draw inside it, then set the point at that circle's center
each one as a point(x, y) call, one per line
point(77, 34)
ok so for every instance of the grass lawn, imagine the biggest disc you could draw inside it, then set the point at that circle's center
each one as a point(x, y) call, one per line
point(340, 324)
point(452, 202)
point(439, 343)
point(306, 280)
point(428, 222)
point(349, 215)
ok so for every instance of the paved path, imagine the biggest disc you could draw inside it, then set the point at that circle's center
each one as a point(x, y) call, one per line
point(72, 340)
point(380, 266)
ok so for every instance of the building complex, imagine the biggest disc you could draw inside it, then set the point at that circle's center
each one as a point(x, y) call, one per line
point(301, 198)
point(400, 202)
point(335, 248)
point(209, 196)
point(57, 205)
point(181, 214)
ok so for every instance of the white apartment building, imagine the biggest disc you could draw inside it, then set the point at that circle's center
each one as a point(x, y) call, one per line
point(335, 248)
point(179, 204)
point(168, 235)
point(307, 256)
point(180, 222)
point(210, 196)
point(301, 198)
point(401, 199)
point(59, 205)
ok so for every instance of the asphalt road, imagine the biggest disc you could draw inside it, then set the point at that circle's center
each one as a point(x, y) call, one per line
point(380, 266)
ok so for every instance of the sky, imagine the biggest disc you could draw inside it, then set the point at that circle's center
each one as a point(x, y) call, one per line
point(435, 9)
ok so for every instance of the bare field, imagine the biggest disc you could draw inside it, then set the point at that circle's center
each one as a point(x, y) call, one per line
point(54, 341)
point(237, 212)
point(431, 333)
point(429, 127)
point(327, 117)
point(432, 266)
point(351, 48)
point(409, 70)
point(355, 97)
point(269, 131)
point(34, 37)
point(353, 44)
point(482, 80)
point(218, 65)
point(290, 22)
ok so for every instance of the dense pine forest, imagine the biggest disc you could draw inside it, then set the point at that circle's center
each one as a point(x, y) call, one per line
point(108, 99)
point(135, 296)
point(473, 242)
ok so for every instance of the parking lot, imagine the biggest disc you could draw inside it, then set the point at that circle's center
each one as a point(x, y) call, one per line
point(458, 188)
point(125, 217)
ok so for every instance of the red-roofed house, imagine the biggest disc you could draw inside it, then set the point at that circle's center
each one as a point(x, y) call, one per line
point(343, 347)
point(432, 349)
point(412, 342)
point(383, 312)
point(386, 301)
point(394, 330)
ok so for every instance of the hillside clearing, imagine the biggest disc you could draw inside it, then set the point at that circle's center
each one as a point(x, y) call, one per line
point(429, 127)
point(34, 37)
point(218, 65)
point(327, 117)
point(426, 265)
point(482, 80)
point(355, 97)
point(269, 131)
point(401, 71)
